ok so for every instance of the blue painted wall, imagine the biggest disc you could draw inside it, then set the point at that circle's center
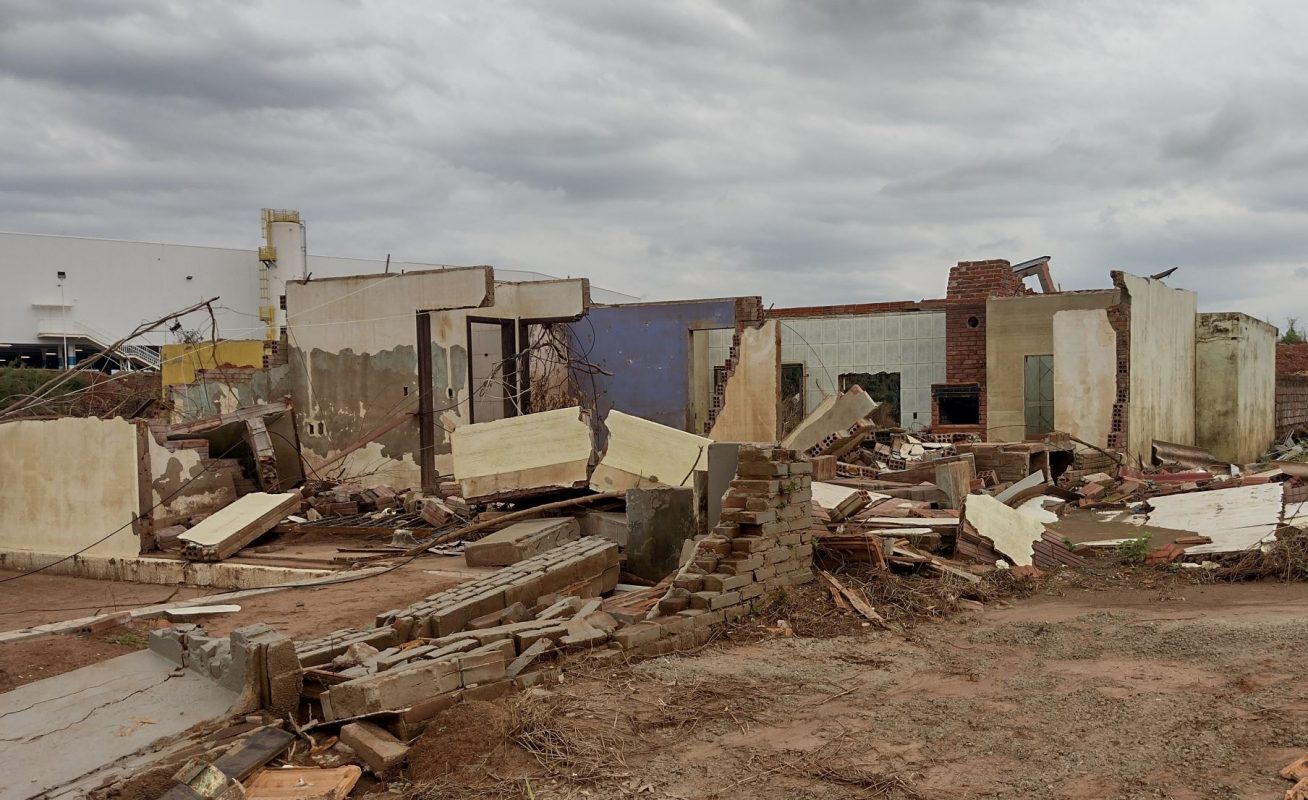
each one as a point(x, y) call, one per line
point(647, 348)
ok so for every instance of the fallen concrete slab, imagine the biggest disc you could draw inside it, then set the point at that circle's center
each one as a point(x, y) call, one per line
point(833, 416)
point(61, 728)
point(223, 534)
point(1013, 533)
point(522, 456)
point(1235, 519)
point(640, 453)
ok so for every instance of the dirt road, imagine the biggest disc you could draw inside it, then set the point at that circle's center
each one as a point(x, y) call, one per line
point(1184, 692)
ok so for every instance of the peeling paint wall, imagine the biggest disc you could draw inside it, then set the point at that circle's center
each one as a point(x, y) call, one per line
point(751, 409)
point(1017, 327)
point(647, 348)
point(1235, 389)
point(180, 361)
point(354, 359)
point(224, 390)
point(65, 483)
point(1162, 381)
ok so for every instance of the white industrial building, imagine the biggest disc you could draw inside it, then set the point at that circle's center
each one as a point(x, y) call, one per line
point(84, 294)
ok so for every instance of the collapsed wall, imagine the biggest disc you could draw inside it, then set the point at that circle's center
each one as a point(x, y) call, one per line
point(761, 545)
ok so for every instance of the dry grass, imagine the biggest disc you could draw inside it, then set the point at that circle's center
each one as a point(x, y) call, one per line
point(721, 698)
point(838, 762)
point(1285, 560)
point(578, 750)
point(907, 599)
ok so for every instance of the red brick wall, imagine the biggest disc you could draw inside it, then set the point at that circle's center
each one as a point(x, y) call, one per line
point(1291, 403)
point(1292, 359)
point(970, 284)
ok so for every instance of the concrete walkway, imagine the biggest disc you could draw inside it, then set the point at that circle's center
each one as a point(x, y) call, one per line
point(55, 731)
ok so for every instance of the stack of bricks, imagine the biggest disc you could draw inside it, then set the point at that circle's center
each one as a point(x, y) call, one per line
point(585, 568)
point(476, 664)
point(763, 544)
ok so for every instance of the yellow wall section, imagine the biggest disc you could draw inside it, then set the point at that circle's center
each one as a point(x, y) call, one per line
point(180, 361)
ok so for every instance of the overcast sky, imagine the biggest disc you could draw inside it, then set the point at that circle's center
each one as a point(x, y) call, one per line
point(810, 152)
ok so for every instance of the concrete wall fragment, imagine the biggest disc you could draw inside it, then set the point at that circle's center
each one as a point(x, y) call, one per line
point(751, 404)
point(70, 484)
point(1235, 386)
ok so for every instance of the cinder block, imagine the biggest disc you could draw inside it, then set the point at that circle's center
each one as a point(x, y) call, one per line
point(376, 747)
point(635, 635)
point(394, 689)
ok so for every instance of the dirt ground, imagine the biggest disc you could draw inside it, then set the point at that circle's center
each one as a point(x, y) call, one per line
point(1106, 683)
point(1170, 690)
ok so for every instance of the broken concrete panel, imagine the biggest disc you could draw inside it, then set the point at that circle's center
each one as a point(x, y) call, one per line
point(67, 483)
point(751, 405)
point(1029, 482)
point(222, 534)
point(640, 453)
point(659, 519)
point(1013, 533)
point(521, 541)
point(522, 455)
point(63, 727)
point(1235, 374)
point(834, 415)
point(1085, 369)
point(1235, 519)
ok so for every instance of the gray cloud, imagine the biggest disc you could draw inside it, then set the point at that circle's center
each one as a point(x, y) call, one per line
point(808, 152)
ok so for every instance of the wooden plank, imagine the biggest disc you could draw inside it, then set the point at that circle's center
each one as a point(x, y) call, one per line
point(254, 753)
point(857, 600)
point(303, 783)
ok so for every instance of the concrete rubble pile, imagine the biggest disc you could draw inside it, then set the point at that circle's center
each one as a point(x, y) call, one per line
point(520, 626)
point(1185, 508)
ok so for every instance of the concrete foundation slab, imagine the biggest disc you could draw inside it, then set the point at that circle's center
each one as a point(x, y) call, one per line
point(61, 728)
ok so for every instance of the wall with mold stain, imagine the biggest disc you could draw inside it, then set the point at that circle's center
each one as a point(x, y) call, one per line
point(354, 359)
point(227, 389)
point(181, 487)
point(647, 348)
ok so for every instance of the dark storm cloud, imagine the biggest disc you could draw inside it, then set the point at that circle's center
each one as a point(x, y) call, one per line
point(808, 152)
